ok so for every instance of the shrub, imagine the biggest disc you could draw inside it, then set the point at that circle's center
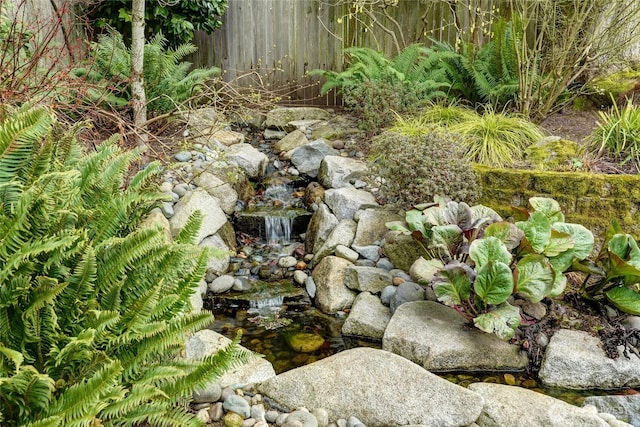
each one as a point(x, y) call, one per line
point(94, 308)
point(487, 260)
point(415, 167)
point(618, 133)
point(168, 81)
point(376, 104)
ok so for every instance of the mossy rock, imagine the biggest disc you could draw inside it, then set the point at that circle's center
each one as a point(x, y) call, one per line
point(304, 342)
point(606, 89)
point(554, 153)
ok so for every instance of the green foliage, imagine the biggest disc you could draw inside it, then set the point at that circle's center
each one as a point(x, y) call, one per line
point(177, 19)
point(377, 87)
point(488, 260)
point(614, 275)
point(618, 133)
point(494, 139)
point(93, 309)
point(168, 81)
point(423, 166)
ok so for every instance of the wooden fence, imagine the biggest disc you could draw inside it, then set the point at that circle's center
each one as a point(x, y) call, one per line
point(276, 42)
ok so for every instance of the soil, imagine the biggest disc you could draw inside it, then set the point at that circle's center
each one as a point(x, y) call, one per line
point(571, 124)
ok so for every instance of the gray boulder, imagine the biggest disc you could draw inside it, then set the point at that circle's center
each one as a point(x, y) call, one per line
point(439, 339)
point(219, 189)
point(624, 408)
point(221, 284)
point(367, 318)
point(218, 262)
point(237, 404)
point(207, 342)
point(377, 387)
point(290, 142)
point(280, 117)
point(372, 225)
point(331, 293)
point(307, 158)
point(513, 406)
point(406, 292)
point(342, 234)
point(369, 279)
point(338, 171)
point(213, 217)
point(576, 360)
point(319, 228)
point(422, 270)
point(249, 159)
point(345, 202)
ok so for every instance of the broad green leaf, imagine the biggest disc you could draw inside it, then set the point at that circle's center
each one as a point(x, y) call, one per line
point(634, 253)
point(494, 283)
point(534, 277)
point(548, 207)
point(507, 232)
point(414, 219)
point(452, 285)
point(588, 266)
point(620, 268)
point(502, 321)
point(435, 215)
point(619, 245)
point(481, 211)
point(488, 249)
point(446, 237)
point(559, 285)
point(626, 299)
point(583, 240)
point(459, 214)
point(397, 226)
point(537, 230)
point(563, 261)
point(558, 243)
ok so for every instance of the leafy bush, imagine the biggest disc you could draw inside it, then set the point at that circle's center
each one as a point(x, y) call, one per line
point(177, 19)
point(94, 309)
point(618, 133)
point(614, 275)
point(488, 260)
point(168, 81)
point(423, 166)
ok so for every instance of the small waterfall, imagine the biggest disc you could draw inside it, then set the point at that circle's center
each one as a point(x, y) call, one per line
point(278, 229)
point(275, 302)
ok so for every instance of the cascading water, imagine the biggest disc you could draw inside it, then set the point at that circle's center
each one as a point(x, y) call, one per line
point(278, 229)
point(274, 302)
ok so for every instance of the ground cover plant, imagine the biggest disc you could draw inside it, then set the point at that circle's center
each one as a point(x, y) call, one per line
point(94, 308)
point(618, 133)
point(487, 260)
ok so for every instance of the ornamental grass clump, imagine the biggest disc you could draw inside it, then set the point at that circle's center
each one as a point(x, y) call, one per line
point(618, 133)
point(417, 167)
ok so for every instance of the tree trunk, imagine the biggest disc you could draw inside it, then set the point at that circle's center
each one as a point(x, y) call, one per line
point(138, 98)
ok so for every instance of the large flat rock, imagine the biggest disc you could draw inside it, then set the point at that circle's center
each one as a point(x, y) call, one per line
point(331, 293)
point(513, 406)
point(213, 217)
point(345, 202)
point(377, 387)
point(576, 360)
point(368, 317)
point(439, 339)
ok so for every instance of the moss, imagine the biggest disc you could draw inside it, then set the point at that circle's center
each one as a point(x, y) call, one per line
point(604, 89)
point(553, 154)
point(592, 200)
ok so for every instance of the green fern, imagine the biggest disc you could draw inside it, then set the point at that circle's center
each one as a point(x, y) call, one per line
point(93, 309)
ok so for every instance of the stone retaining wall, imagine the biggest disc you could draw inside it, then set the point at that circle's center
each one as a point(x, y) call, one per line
point(592, 200)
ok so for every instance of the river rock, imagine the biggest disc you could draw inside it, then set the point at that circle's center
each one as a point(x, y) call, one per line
point(346, 253)
point(206, 342)
point(249, 159)
point(406, 292)
point(338, 171)
point(219, 189)
point(624, 408)
point(372, 226)
point(290, 142)
point(370, 279)
point(401, 249)
point(320, 227)
point(280, 118)
point(377, 387)
point(304, 342)
point(422, 270)
point(221, 284)
point(345, 202)
point(506, 405)
point(342, 234)
point(367, 318)
point(439, 339)
point(213, 217)
point(218, 262)
point(576, 360)
point(331, 293)
point(307, 158)
point(237, 404)
point(303, 418)
point(369, 252)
